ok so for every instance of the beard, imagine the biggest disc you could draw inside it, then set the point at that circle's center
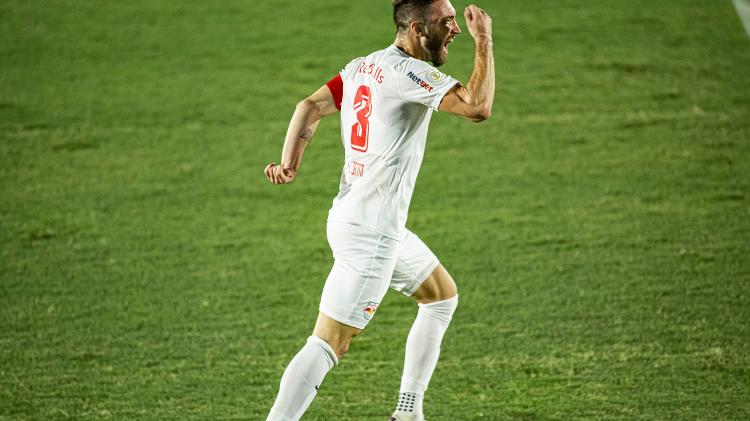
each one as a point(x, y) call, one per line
point(433, 48)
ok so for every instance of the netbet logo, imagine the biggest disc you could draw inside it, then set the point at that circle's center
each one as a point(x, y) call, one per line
point(419, 81)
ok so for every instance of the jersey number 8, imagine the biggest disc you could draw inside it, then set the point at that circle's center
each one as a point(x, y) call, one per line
point(363, 109)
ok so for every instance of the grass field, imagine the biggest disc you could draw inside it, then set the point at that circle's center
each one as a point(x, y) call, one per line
point(598, 225)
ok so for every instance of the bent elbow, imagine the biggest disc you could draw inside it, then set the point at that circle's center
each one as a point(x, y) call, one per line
point(482, 114)
point(306, 105)
point(309, 106)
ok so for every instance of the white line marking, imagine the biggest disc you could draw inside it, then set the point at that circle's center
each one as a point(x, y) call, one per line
point(743, 10)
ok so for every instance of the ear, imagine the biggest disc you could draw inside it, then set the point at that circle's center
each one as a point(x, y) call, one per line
point(417, 28)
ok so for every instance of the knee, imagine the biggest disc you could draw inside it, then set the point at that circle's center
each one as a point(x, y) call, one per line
point(343, 348)
point(439, 286)
point(325, 346)
point(341, 345)
point(450, 291)
point(442, 310)
point(447, 288)
point(337, 335)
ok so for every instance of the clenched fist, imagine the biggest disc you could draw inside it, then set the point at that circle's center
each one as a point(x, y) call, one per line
point(478, 22)
point(277, 174)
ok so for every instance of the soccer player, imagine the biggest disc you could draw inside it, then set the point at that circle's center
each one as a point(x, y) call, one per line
point(385, 101)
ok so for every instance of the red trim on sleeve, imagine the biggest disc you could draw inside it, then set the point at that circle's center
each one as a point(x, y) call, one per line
point(336, 85)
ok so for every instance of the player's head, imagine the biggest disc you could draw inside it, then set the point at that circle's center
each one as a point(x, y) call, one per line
point(432, 22)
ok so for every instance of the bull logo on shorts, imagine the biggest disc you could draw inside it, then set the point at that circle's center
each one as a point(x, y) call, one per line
point(370, 310)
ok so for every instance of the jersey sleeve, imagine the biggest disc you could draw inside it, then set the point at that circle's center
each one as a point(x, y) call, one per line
point(349, 66)
point(421, 83)
point(336, 86)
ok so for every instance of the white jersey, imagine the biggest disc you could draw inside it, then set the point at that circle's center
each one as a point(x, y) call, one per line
point(387, 101)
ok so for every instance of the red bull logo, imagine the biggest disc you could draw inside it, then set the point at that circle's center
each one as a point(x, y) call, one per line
point(370, 310)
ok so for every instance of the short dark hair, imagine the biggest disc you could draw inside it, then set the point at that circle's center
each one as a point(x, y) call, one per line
point(406, 11)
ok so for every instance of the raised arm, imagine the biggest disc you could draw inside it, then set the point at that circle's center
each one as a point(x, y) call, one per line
point(474, 101)
point(301, 129)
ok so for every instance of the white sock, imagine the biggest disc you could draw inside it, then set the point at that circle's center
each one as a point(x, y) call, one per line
point(301, 380)
point(422, 352)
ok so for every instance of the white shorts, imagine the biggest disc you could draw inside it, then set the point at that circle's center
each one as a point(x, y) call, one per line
point(365, 265)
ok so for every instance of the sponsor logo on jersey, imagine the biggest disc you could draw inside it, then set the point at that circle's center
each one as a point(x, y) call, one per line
point(419, 81)
point(370, 310)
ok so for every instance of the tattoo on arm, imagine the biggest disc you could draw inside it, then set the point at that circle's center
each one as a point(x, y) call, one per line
point(306, 135)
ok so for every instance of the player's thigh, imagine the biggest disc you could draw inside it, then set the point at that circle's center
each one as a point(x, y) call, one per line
point(362, 268)
point(419, 274)
point(438, 286)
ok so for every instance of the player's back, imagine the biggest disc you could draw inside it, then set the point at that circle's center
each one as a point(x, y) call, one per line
point(386, 104)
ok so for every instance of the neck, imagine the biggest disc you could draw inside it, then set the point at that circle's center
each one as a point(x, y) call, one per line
point(410, 45)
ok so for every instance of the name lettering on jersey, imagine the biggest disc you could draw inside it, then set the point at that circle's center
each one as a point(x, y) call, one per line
point(419, 81)
point(358, 169)
point(372, 70)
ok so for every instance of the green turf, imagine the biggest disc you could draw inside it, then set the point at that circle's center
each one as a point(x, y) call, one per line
point(598, 225)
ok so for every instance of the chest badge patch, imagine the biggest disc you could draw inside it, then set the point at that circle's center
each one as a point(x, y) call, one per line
point(436, 76)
